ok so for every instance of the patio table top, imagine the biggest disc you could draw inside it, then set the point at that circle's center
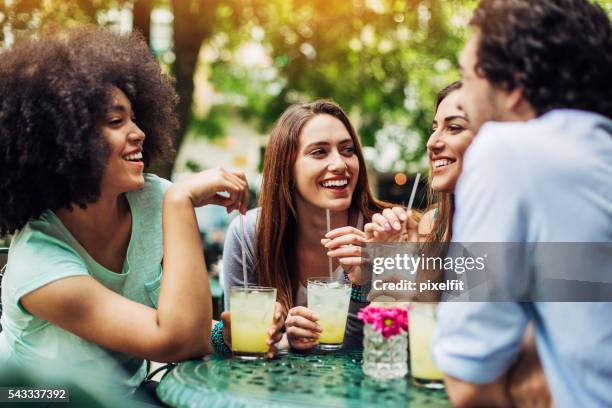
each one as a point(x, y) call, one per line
point(294, 380)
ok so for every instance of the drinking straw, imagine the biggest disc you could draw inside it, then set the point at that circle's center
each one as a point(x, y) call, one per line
point(414, 189)
point(242, 243)
point(328, 229)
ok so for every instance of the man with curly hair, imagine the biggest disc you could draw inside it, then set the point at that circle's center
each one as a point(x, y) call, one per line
point(82, 113)
point(537, 86)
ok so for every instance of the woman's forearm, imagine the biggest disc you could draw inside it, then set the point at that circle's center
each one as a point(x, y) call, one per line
point(184, 306)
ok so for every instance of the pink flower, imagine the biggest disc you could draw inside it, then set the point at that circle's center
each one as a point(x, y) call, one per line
point(388, 322)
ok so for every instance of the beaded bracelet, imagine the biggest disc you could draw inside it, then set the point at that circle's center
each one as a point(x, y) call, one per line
point(216, 340)
point(358, 293)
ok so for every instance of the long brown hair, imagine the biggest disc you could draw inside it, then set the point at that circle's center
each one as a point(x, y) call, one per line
point(275, 235)
point(442, 230)
point(437, 240)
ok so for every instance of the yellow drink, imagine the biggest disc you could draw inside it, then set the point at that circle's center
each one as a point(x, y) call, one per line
point(329, 298)
point(333, 330)
point(422, 322)
point(252, 315)
point(249, 339)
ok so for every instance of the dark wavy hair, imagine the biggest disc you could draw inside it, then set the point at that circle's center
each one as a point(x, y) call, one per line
point(54, 93)
point(558, 51)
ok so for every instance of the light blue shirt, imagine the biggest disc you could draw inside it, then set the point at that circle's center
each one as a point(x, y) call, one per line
point(544, 180)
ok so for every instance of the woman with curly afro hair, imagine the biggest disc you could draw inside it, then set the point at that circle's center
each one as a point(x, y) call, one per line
point(82, 113)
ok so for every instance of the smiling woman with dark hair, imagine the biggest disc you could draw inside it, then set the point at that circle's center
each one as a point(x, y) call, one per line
point(83, 112)
point(55, 93)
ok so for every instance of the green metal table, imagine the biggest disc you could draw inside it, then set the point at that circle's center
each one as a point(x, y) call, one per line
point(294, 380)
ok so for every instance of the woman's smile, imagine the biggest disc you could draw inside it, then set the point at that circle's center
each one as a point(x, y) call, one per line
point(326, 169)
point(451, 135)
point(125, 138)
point(134, 158)
point(338, 186)
point(442, 163)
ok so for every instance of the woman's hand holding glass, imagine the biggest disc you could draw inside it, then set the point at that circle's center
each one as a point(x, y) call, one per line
point(345, 244)
point(392, 225)
point(275, 333)
point(302, 328)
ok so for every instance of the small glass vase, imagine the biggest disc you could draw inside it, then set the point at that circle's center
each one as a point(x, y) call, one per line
point(384, 359)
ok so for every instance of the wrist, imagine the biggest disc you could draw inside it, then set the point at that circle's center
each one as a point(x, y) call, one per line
point(217, 341)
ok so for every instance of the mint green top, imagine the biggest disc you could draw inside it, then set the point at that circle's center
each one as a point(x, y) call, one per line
point(45, 251)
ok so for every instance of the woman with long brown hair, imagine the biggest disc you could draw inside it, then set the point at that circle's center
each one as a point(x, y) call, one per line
point(313, 162)
point(450, 137)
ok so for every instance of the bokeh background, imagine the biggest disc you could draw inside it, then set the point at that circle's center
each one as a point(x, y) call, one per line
point(239, 63)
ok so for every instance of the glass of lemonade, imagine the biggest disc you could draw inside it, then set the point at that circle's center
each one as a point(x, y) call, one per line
point(252, 315)
point(421, 324)
point(329, 298)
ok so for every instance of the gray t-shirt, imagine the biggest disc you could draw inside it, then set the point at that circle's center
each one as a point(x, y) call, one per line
point(232, 273)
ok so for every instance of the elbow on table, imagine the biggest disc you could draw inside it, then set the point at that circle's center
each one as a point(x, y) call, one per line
point(461, 394)
point(467, 395)
point(174, 347)
point(462, 399)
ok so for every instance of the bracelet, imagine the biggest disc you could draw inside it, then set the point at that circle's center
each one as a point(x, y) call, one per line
point(358, 293)
point(216, 340)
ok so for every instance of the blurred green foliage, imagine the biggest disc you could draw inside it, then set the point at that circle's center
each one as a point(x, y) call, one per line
point(383, 61)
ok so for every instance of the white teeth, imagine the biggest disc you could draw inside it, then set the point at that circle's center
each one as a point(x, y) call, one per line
point(335, 183)
point(135, 156)
point(441, 163)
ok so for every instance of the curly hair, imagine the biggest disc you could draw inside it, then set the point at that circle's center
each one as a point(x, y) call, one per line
point(54, 93)
point(558, 51)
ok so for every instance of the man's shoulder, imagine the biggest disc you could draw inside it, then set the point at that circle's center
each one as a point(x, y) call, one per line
point(550, 125)
point(515, 136)
point(561, 131)
point(495, 144)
